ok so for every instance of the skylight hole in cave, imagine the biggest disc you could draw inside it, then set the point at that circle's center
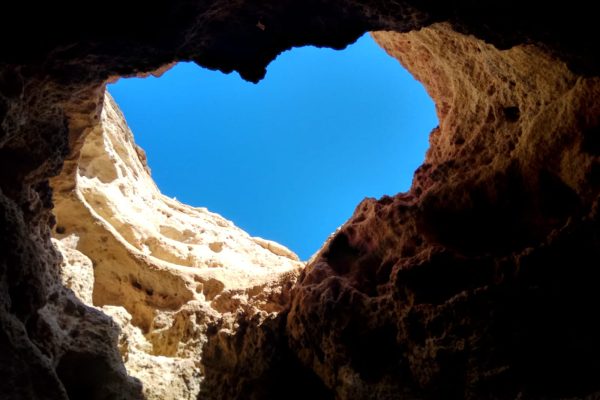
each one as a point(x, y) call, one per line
point(287, 159)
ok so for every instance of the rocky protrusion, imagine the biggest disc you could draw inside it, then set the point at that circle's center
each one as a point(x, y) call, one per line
point(478, 282)
point(167, 273)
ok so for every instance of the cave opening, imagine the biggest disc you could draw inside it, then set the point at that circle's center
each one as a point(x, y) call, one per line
point(433, 279)
point(179, 280)
point(287, 159)
point(166, 268)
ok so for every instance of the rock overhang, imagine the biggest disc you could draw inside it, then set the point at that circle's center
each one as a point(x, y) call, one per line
point(531, 172)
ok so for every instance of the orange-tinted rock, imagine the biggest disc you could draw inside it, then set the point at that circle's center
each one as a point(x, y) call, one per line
point(479, 283)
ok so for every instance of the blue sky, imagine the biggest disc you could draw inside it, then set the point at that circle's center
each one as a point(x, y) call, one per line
point(289, 158)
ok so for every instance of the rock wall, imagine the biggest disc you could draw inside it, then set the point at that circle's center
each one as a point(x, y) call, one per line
point(478, 283)
point(168, 274)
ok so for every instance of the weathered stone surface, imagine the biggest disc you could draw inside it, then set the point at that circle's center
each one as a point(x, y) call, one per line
point(483, 275)
point(476, 283)
point(166, 272)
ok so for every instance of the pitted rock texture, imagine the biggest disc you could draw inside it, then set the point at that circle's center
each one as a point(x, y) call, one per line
point(166, 272)
point(479, 283)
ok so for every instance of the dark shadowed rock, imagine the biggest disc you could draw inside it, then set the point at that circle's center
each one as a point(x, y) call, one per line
point(479, 283)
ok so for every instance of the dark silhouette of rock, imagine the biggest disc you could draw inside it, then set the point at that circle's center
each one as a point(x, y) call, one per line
point(479, 283)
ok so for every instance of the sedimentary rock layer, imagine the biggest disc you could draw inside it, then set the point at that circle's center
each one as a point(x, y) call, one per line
point(167, 273)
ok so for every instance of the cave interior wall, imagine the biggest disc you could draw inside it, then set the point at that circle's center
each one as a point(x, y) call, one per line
point(479, 282)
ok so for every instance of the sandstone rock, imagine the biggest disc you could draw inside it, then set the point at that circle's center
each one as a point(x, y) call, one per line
point(476, 283)
point(165, 271)
point(77, 272)
point(479, 283)
point(275, 248)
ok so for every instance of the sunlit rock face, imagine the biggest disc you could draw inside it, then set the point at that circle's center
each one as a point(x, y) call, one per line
point(166, 272)
point(478, 283)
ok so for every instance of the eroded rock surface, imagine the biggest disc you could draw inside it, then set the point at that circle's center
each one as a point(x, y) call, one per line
point(478, 283)
point(167, 273)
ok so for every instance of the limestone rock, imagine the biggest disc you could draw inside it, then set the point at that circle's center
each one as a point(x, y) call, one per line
point(165, 271)
point(478, 283)
point(76, 270)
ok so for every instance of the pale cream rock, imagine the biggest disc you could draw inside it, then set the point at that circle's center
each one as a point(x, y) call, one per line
point(76, 272)
point(164, 271)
